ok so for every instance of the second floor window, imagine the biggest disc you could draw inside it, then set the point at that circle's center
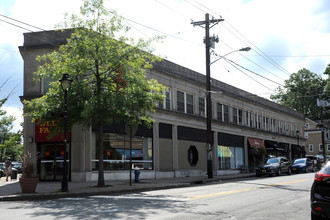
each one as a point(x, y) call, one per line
point(166, 104)
point(311, 148)
point(180, 101)
point(185, 102)
point(320, 148)
point(235, 117)
point(201, 106)
point(240, 117)
point(219, 111)
point(190, 104)
point(226, 113)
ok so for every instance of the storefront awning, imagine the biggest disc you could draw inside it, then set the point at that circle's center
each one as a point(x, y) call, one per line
point(298, 148)
point(254, 142)
point(273, 145)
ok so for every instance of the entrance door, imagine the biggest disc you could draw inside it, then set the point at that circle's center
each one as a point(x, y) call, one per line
point(51, 161)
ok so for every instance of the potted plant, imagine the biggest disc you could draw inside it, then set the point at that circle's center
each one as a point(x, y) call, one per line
point(29, 179)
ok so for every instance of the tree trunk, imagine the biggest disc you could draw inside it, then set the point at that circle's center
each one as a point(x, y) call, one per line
point(99, 146)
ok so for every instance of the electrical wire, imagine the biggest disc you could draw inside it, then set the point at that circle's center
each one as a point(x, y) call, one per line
point(249, 76)
point(228, 60)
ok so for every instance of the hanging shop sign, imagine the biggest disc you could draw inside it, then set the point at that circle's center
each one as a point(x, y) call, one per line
point(42, 132)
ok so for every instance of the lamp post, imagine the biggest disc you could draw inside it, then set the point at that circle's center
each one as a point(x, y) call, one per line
point(65, 85)
point(209, 106)
point(297, 133)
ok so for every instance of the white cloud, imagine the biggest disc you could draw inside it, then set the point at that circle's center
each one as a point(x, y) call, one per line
point(17, 113)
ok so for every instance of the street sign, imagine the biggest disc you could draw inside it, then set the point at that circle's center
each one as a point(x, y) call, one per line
point(322, 103)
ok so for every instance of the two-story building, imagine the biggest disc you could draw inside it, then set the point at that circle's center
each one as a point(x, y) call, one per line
point(313, 136)
point(245, 128)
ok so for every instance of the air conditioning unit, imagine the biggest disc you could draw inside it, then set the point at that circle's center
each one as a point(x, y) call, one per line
point(307, 125)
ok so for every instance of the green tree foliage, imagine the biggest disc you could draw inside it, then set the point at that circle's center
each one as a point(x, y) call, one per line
point(108, 71)
point(300, 92)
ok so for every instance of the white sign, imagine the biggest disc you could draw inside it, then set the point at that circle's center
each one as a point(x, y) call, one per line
point(323, 103)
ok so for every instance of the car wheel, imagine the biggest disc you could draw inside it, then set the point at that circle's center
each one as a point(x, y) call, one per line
point(279, 172)
point(289, 171)
point(258, 175)
point(315, 217)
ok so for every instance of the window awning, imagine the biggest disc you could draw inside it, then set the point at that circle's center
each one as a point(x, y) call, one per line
point(273, 145)
point(258, 143)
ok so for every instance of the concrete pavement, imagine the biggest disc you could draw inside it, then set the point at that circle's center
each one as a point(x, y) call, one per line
point(11, 190)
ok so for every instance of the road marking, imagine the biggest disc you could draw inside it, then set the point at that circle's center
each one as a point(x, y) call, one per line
point(244, 190)
point(285, 183)
point(140, 197)
point(221, 193)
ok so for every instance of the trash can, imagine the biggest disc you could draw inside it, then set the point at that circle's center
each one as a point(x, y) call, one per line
point(13, 173)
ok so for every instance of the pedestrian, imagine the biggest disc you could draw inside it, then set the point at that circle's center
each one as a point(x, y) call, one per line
point(7, 167)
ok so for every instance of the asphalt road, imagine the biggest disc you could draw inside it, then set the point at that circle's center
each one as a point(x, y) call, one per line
point(282, 197)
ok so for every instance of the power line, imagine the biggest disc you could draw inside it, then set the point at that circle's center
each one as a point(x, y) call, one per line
point(249, 76)
point(230, 61)
point(258, 50)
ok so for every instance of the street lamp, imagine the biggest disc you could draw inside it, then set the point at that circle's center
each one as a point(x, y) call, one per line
point(297, 133)
point(65, 85)
point(242, 49)
point(209, 106)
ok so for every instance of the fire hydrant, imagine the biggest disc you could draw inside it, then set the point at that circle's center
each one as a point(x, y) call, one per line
point(137, 174)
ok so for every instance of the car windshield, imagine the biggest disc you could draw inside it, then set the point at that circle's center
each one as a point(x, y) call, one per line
point(272, 160)
point(299, 161)
point(17, 165)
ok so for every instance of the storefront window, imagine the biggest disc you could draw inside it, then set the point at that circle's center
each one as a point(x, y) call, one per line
point(230, 157)
point(117, 154)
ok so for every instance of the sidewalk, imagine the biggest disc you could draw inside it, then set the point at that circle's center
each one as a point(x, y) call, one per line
point(11, 190)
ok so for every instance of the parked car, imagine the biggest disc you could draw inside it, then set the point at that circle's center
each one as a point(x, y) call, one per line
point(320, 194)
point(2, 170)
point(316, 161)
point(17, 166)
point(275, 165)
point(302, 165)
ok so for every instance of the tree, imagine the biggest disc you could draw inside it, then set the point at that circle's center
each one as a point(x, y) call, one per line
point(300, 92)
point(108, 71)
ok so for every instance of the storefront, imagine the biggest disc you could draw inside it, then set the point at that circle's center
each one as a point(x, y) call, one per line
point(50, 164)
point(117, 151)
point(257, 152)
point(230, 151)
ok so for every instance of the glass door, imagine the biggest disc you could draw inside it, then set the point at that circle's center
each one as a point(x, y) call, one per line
point(51, 161)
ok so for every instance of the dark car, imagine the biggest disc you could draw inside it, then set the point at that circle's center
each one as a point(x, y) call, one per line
point(17, 166)
point(2, 170)
point(275, 165)
point(320, 194)
point(302, 165)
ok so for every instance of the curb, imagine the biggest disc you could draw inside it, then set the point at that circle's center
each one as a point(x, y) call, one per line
point(136, 188)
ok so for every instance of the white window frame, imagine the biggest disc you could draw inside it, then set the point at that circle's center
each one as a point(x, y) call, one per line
point(310, 146)
point(185, 102)
point(201, 113)
point(320, 148)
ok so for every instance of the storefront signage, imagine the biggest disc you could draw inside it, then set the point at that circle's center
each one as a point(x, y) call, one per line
point(42, 132)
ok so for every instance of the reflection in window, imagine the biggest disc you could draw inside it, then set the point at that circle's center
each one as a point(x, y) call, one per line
point(190, 104)
point(180, 101)
point(117, 155)
point(230, 157)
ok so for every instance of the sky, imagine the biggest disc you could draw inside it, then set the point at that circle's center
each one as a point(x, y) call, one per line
point(285, 36)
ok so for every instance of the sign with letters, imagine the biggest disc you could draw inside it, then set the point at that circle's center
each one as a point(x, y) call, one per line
point(42, 132)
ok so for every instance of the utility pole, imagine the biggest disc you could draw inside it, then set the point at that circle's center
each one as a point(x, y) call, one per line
point(208, 40)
